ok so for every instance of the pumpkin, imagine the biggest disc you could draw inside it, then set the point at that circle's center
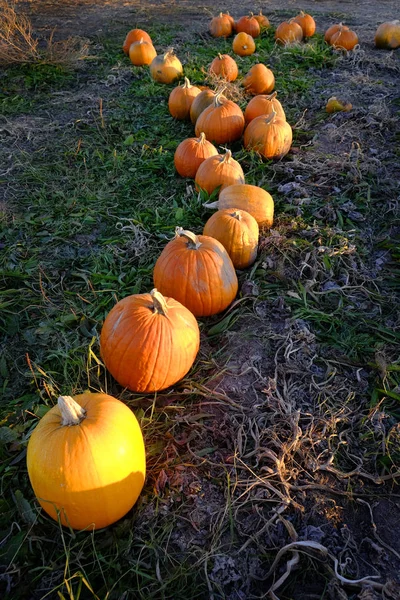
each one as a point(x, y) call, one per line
point(149, 342)
point(259, 80)
point(135, 35)
point(262, 21)
point(248, 24)
point(344, 39)
point(231, 19)
point(238, 232)
point(307, 23)
point(191, 153)
point(263, 105)
point(218, 171)
point(251, 198)
point(388, 35)
point(222, 121)
point(181, 98)
point(334, 105)
point(166, 68)
point(224, 66)
point(196, 271)
point(269, 135)
point(288, 32)
point(221, 26)
point(243, 44)
point(86, 461)
point(141, 53)
point(204, 99)
point(331, 30)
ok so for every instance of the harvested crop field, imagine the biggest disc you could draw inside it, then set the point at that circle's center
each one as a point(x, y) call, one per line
point(273, 466)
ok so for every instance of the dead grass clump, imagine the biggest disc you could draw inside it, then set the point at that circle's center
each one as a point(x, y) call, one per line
point(18, 44)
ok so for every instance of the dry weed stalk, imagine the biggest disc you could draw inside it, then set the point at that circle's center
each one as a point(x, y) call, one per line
point(18, 45)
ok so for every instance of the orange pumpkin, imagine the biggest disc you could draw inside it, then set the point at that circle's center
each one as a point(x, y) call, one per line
point(166, 68)
point(344, 39)
point(388, 35)
point(238, 232)
point(135, 35)
point(86, 461)
point(243, 44)
point(149, 342)
point(307, 23)
point(221, 26)
point(288, 32)
point(191, 153)
point(181, 98)
point(198, 272)
point(222, 121)
point(200, 103)
point(218, 171)
point(141, 53)
point(269, 135)
point(262, 21)
point(248, 24)
point(224, 66)
point(231, 20)
point(259, 80)
point(331, 30)
point(335, 105)
point(251, 198)
point(263, 105)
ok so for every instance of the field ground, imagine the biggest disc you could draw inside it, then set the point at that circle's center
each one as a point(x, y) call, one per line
point(279, 453)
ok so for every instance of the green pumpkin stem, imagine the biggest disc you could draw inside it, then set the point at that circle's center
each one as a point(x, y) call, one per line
point(72, 413)
point(193, 240)
point(159, 302)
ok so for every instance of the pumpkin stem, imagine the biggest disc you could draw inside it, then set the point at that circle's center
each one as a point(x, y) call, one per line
point(270, 118)
point(236, 215)
point(218, 96)
point(168, 53)
point(186, 83)
point(202, 138)
point(72, 413)
point(272, 96)
point(193, 240)
point(211, 204)
point(251, 15)
point(159, 302)
point(302, 13)
point(227, 156)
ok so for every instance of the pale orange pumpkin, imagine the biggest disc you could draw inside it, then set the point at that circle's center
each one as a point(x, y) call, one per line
point(307, 23)
point(259, 80)
point(269, 135)
point(251, 198)
point(166, 68)
point(288, 32)
point(344, 39)
point(388, 35)
point(224, 66)
point(141, 53)
point(243, 44)
point(222, 121)
point(263, 105)
point(149, 342)
point(218, 172)
point(198, 272)
point(135, 35)
point(238, 231)
point(248, 24)
point(191, 153)
point(181, 98)
point(86, 461)
point(204, 99)
point(221, 26)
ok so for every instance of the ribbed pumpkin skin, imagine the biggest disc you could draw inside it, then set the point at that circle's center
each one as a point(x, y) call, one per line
point(251, 198)
point(218, 171)
point(307, 23)
point(288, 33)
point(331, 31)
point(224, 66)
point(259, 80)
point(166, 68)
point(203, 279)
point(144, 350)
point(141, 53)
point(388, 35)
point(191, 153)
point(243, 44)
point(181, 98)
point(271, 139)
point(135, 35)
point(204, 99)
point(248, 24)
point(221, 26)
point(93, 472)
point(222, 121)
point(263, 105)
point(344, 39)
point(238, 232)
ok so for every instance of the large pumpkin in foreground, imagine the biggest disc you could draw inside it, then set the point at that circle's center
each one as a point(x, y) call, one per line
point(197, 271)
point(149, 342)
point(86, 461)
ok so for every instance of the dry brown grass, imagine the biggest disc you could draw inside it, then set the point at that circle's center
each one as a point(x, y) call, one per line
point(19, 45)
